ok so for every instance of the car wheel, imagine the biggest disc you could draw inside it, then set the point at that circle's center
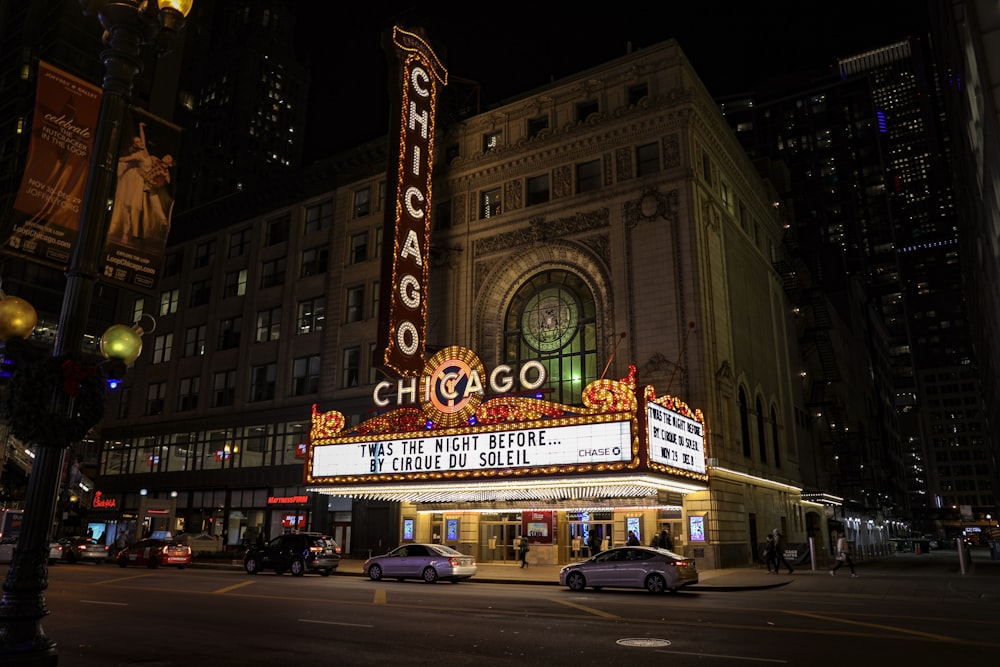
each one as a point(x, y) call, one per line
point(375, 572)
point(251, 565)
point(325, 572)
point(153, 563)
point(430, 575)
point(576, 581)
point(298, 567)
point(656, 583)
point(180, 567)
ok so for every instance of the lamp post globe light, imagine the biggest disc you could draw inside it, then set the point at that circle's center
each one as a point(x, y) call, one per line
point(128, 26)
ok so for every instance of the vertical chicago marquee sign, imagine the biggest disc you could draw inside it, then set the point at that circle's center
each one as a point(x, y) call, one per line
point(403, 301)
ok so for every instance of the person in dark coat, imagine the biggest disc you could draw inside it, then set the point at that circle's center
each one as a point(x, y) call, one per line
point(632, 540)
point(779, 552)
point(522, 550)
point(594, 542)
point(768, 554)
point(665, 541)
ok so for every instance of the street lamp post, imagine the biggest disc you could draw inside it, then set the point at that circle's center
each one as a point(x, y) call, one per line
point(128, 26)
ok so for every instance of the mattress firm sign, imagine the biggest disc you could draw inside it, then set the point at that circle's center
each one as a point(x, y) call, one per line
point(607, 442)
point(675, 440)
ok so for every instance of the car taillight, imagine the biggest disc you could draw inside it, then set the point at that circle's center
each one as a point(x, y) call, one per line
point(316, 549)
point(337, 549)
point(680, 563)
point(453, 561)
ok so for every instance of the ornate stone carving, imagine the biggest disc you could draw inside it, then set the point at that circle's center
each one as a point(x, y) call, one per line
point(562, 181)
point(623, 163)
point(671, 151)
point(653, 205)
point(513, 195)
point(541, 229)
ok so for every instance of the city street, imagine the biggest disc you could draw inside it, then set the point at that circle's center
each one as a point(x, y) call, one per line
point(104, 615)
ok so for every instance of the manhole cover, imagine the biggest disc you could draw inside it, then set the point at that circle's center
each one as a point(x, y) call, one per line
point(643, 641)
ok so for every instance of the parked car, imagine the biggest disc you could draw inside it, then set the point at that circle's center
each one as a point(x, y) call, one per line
point(154, 553)
point(55, 552)
point(7, 551)
point(429, 562)
point(297, 553)
point(79, 548)
point(656, 570)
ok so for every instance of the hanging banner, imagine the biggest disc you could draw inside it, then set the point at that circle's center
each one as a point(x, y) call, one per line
point(48, 205)
point(143, 201)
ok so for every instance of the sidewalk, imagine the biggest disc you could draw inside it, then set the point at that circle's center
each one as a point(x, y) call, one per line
point(904, 575)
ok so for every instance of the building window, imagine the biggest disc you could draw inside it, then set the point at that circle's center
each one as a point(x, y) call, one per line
point(138, 306)
point(362, 202)
point(376, 286)
point(311, 314)
point(761, 437)
point(588, 176)
point(204, 254)
point(744, 422)
point(173, 262)
point(491, 141)
point(442, 215)
point(194, 341)
point(272, 273)
point(351, 368)
point(305, 375)
point(489, 203)
point(319, 217)
point(277, 229)
point(647, 159)
point(537, 190)
point(162, 345)
point(706, 167)
point(239, 242)
point(585, 109)
point(637, 93)
point(372, 369)
point(262, 382)
point(378, 242)
point(187, 393)
point(355, 304)
point(268, 325)
point(552, 318)
point(537, 125)
point(236, 283)
point(314, 261)
point(223, 388)
point(201, 292)
point(359, 247)
point(774, 438)
point(156, 394)
point(229, 333)
point(168, 301)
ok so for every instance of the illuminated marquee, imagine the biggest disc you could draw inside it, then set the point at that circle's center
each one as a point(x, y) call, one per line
point(403, 301)
point(675, 436)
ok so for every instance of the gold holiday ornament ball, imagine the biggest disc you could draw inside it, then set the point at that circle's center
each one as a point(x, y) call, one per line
point(17, 317)
point(122, 342)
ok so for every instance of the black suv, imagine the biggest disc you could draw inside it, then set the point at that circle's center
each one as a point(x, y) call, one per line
point(297, 553)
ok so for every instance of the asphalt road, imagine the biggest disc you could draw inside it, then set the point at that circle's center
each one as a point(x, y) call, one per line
point(102, 615)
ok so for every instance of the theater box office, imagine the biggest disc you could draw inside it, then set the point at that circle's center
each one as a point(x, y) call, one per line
point(476, 469)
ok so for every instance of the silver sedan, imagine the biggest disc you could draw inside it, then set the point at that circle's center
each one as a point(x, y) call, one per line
point(656, 570)
point(429, 562)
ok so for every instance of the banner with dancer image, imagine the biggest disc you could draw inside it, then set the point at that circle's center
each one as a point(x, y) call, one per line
point(143, 201)
point(48, 205)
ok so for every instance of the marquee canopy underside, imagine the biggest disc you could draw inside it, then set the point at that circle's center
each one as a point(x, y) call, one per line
point(575, 492)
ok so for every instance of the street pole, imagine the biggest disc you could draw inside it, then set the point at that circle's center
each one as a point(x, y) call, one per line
point(128, 25)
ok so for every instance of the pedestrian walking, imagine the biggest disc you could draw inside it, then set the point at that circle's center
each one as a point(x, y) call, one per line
point(594, 542)
point(779, 552)
point(655, 542)
point(665, 541)
point(522, 551)
point(843, 556)
point(767, 554)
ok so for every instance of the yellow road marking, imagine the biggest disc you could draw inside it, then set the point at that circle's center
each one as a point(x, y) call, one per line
point(233, 587)
point(865, 624)
point(380, 597)
point(120, 579)
point(589, 610)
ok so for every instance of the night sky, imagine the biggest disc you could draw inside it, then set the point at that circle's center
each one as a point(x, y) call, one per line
point(515, 47)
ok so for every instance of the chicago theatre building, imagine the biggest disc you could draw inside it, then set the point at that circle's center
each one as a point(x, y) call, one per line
point(558, 318)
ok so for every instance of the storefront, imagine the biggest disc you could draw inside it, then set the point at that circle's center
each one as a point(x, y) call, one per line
point(476, 473)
